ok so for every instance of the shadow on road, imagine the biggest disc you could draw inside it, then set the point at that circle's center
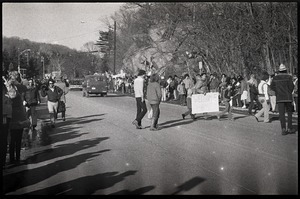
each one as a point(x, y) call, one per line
point(189, 185)
point(15, 181)
point(63, 150)
point(174, 123)
point(85, 185)
point(139, 191)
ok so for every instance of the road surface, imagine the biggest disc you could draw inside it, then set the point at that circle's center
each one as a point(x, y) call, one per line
point(98, 151)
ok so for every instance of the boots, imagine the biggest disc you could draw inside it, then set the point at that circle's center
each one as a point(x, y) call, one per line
point(154, 126)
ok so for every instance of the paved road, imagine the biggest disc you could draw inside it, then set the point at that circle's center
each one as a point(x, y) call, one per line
point(98, 151)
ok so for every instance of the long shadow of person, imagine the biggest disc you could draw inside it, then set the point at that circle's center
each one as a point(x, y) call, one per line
point(139, 191)
point(189, 185)
point(85, 185)
point(15, 181)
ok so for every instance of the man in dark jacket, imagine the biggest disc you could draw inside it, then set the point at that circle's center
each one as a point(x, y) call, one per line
point(283, 86)
point(31, 100)
point(53, 94)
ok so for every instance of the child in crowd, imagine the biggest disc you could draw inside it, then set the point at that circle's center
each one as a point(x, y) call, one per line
point(189, 105)
point(181, 92)
point(227, 96)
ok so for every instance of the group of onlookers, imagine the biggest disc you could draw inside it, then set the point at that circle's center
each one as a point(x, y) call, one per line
point(276, 92)
point(20, 97)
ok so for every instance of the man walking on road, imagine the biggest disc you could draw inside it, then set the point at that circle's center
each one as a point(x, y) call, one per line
point(263, 98)
point(283, 86)
point(140, 100)
point(53, 93)
point(31, 100)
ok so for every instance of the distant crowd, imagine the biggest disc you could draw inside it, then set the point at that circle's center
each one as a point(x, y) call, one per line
point(276, 92)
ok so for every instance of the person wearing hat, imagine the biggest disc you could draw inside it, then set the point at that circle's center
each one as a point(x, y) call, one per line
point(283, 86)
point(263, 98)
point(140, 100)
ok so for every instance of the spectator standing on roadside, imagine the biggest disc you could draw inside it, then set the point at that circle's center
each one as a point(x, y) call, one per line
point(154, 98)
point(181, 92)
point(263, 98)
point(176, 82)
point(140, 100)
point(163, 86)
point(6, 117)
point(53, 94)
point(31, 100)
point(244, 91)
point(18, 118)
point(63, 100)
point(213, 83)
point(283, 86)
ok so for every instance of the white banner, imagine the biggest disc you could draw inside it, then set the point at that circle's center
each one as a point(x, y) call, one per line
point(205, 103)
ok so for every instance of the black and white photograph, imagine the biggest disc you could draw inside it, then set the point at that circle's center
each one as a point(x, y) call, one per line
point(149, 98)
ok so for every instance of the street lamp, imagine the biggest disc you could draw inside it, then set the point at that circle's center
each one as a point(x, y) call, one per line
point(26, 50)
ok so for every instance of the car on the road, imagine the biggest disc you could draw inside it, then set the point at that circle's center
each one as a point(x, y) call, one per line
point(76, 84)
point(95, 84)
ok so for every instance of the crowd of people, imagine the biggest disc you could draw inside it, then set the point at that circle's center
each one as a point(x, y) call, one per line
point(269, 92)
point(20, 97)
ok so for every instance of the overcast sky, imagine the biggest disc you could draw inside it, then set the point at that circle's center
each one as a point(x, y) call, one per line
point(69, 24)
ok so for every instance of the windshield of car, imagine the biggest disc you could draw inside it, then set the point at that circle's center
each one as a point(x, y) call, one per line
point(96, 78)
point(75, 82)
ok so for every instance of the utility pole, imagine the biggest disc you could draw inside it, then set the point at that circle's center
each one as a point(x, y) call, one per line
point(42, 60)
point(115, 44)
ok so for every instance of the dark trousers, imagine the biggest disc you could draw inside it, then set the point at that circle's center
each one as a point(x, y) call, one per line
point(252, 99)
point(227, 109)
point(3, 138)
point(15, 144)
point(156, 110)
point(282, 107)
point(236, 101)
point(141, 110)
point(182, 99)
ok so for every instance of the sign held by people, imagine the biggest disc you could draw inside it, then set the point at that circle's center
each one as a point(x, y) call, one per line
point(205, 103)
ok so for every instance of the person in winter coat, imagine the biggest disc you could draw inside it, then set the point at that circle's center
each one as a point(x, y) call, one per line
point(6, 118)
point(18, 117)
point(63, 86)
point(31, 100)
point(283, 86)
point(154, 96)
point(53, 94)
